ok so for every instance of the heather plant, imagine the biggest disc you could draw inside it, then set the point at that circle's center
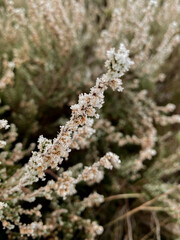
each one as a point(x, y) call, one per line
point(74, 186)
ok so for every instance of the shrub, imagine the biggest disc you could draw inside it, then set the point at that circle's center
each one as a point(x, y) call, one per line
point(51, 52)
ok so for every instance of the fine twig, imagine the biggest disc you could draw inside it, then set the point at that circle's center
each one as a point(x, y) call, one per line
point(123, 196)
point(141, 207)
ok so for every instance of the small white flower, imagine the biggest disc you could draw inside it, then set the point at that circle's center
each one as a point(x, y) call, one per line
point(4, 124)
point(2, 143)
point(44, 143)
point(153, 3)
point(118, 62)
point(2, 205)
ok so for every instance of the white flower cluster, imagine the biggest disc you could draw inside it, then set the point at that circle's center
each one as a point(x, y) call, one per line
point(34, 229)
point(94, 199)
point(4, 124)
point(153, 3)
point(80, 138)
point(66, 183)
point(94, 174)
point(93, 229)
point(2, 205)
point(43, 143)
point(118, 62)
point(110, 160)
point(2, 144)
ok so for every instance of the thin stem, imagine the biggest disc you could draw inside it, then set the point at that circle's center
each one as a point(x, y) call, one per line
point(141, 207)
point(151, 232)
point(123, 196)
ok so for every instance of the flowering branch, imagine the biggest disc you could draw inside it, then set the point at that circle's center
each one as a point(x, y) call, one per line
point(52, 153)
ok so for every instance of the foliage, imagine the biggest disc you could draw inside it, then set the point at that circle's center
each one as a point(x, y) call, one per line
point(50, 53)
